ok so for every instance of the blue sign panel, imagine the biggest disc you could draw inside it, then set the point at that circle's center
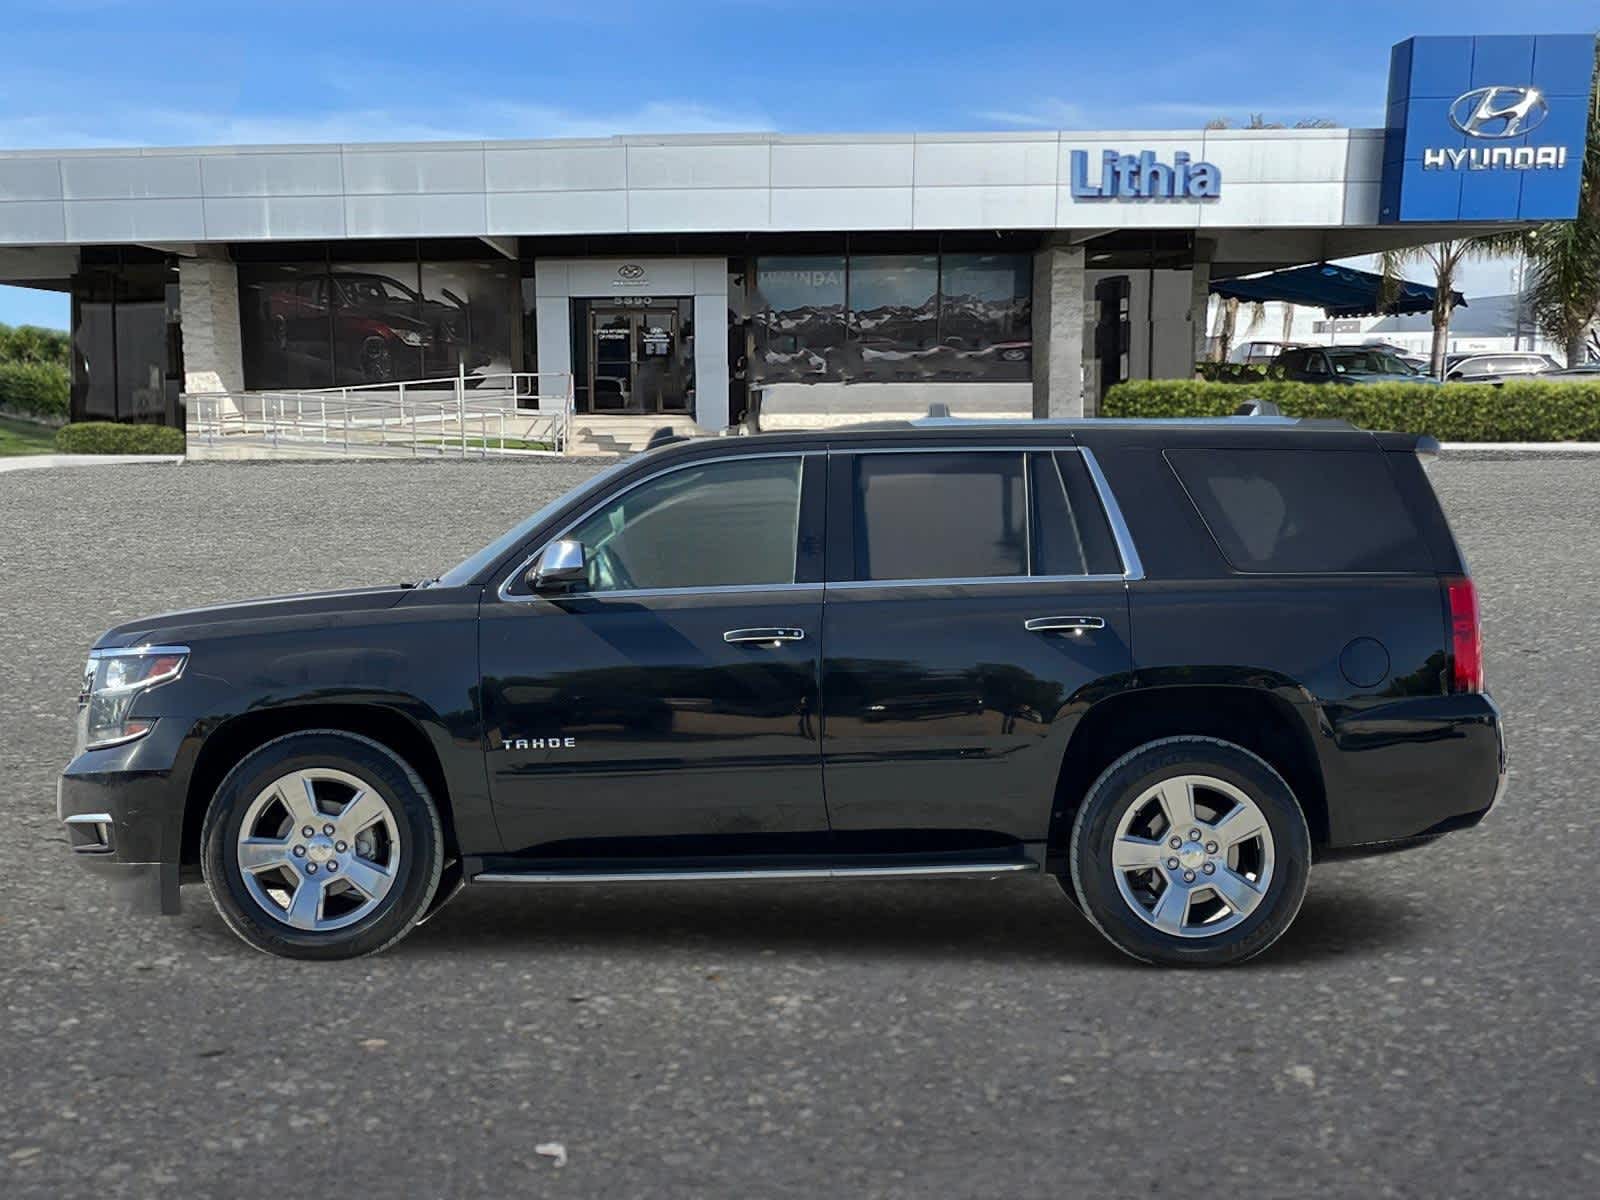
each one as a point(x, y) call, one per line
point(1486, 128)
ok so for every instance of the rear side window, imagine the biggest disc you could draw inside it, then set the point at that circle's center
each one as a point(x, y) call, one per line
point(940, 516)
point(1302, 510)
point(976, 515)
point(1070, 533)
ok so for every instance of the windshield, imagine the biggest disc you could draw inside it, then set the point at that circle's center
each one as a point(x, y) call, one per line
point(374, 290)
point(1371, 362)
point(467, 570)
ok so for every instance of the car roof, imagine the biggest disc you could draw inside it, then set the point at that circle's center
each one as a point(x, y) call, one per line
point(942, 429)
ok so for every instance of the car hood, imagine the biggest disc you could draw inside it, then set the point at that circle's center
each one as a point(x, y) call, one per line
point(307, 608)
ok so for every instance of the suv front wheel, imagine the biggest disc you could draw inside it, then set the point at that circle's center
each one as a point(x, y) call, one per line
point(322, 844)
point(1190, 851)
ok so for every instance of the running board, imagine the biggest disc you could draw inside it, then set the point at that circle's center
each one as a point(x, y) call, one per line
point(1008, 867)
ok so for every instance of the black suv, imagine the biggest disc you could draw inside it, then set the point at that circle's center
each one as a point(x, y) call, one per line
point(1169, 664)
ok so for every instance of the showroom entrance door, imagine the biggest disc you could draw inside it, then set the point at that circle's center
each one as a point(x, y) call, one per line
point(638, 362)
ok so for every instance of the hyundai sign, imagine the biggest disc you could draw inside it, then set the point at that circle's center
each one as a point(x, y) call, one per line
point(1486, 128)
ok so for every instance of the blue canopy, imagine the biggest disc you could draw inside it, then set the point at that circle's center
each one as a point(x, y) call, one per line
point(1338, 291)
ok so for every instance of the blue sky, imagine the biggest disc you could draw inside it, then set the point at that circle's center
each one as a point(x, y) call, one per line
point(109, 72)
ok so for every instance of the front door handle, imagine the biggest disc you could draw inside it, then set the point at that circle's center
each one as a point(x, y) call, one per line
point(764, 636)
point(1063, 624)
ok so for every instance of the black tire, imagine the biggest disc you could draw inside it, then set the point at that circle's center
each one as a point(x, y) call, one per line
point(1121, 785)
point(420, 858)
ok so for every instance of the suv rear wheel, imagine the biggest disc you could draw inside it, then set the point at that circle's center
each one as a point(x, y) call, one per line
point(1190, 851)
point(322, 844)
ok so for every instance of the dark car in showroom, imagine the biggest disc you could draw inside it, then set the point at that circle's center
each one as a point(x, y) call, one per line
point(1167, 664)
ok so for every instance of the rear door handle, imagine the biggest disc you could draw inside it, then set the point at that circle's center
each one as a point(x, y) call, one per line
point(1063, 624)
point(764, 636)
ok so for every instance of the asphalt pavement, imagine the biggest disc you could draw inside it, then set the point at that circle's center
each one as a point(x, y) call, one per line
point(1427, 1028)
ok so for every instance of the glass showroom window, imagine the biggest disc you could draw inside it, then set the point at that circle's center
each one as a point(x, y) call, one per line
point(799, 318)
point(894, 316)
point(911, 317)
point(985, 316)
point(321, 324)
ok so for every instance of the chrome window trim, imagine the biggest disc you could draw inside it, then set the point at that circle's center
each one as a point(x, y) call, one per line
point(504, 594)
point(1132, 567)
point(972, 581)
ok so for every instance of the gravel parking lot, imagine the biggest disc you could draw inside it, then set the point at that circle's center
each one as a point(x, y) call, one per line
point(1427, 1028)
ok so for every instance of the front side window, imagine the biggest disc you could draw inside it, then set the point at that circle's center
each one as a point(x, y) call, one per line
point(733, 523)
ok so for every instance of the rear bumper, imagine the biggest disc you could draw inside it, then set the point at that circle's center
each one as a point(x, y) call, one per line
point(122, 809)
point(1410, 770)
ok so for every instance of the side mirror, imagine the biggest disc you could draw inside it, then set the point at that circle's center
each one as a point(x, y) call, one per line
point(563, 564)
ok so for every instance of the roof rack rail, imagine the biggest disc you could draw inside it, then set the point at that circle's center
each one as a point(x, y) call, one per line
point(1258, 408)
point(665, 436)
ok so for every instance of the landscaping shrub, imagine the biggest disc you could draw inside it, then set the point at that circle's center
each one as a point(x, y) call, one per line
point(34, 389)
point(1228, 372)
point(1519, 411)
point(108, 437)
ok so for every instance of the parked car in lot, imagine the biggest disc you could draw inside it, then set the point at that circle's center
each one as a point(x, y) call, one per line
point(1489, 368)
point(1170, 664)
point(1586, 373)
point(1344, 364)
point(1417, 362)
point(1259, 353)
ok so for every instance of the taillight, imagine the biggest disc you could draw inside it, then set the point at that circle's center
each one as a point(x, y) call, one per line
point(1466, 636)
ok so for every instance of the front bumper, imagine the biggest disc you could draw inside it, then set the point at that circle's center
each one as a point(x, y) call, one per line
point(123, 812)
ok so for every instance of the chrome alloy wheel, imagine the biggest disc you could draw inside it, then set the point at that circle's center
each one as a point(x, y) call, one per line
point(318, 849)
point(1193, 856)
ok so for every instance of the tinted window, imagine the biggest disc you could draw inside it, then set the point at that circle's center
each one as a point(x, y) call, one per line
point(1070, 533)
point(724, 524)
point(799, 318)
point(1302, 510)
point(939, 516)
point(894, 314)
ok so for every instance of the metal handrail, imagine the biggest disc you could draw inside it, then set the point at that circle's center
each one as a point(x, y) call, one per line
point(401, 415)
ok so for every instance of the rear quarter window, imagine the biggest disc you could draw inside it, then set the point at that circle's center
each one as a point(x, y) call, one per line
point(1302, 511)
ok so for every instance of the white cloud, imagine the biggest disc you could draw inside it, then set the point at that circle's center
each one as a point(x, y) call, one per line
point(1045, 113)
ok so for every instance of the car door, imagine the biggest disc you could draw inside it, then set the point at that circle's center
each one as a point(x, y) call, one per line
point(668, 706)
point(976, 603)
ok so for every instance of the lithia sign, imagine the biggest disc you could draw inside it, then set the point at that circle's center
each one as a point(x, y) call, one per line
point(1144, 177)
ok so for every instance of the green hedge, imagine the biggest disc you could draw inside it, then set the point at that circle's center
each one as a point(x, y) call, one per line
point(1519, 411)
point(108, 437)
point(34, 389)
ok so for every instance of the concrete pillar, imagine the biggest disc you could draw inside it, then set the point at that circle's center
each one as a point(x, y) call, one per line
point(208, 296)
point(1058, 331)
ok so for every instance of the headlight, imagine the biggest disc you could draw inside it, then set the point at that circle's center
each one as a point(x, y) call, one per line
point(113, 680)
point(410, 337)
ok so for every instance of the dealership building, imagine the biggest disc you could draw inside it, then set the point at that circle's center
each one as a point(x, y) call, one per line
point(809, 277)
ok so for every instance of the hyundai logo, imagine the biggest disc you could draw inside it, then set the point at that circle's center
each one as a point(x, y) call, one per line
point(1499, 112)
point(630, 271)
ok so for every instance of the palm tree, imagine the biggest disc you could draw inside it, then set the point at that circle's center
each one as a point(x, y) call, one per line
point(1445, 258)
point(1227, 322)
point(1564, 256)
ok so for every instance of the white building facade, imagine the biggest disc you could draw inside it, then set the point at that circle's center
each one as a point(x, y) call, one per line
point(805, 278)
